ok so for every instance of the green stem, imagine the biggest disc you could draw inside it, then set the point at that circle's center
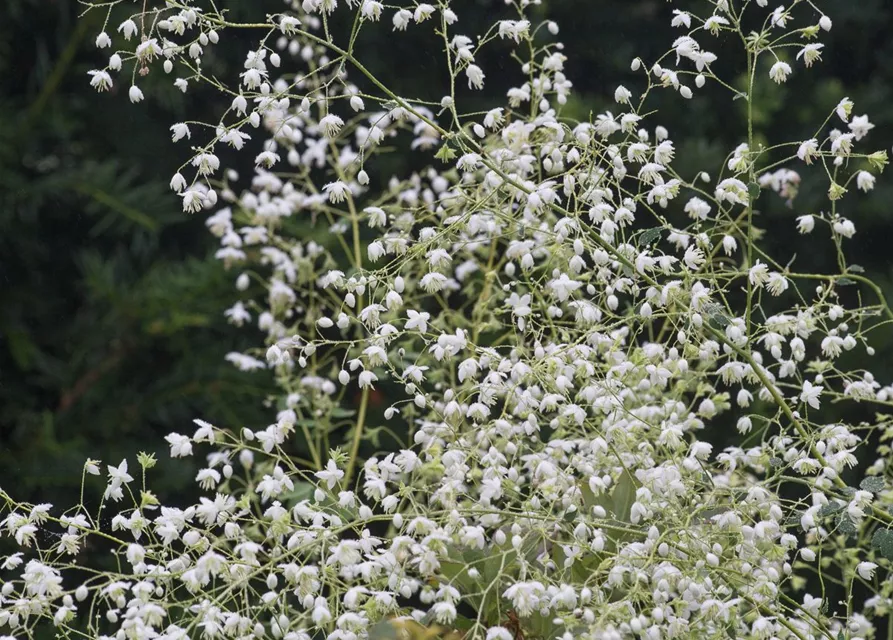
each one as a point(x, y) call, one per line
point(357, 437)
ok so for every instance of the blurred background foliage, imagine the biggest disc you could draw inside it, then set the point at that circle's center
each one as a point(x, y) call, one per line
point(111, 305)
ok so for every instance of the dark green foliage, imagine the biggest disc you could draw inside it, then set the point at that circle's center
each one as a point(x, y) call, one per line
point(111, 325)
point(874, 484)
point(882, 541)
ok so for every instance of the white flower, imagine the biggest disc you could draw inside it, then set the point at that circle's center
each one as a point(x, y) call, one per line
point(206, 163)
point(468, 162)
point(444, 612)
point(193, 200)
point(866, 570)
point(178, 183)
point(693, 258)
point(810, 53)
point(732, 190)
point(103, 40)
point(207, 479)
point(401, 19)
point(432, 282)
point(331, 475)
point(805, 224)
point(777, 284)
point(779, 17)
point(844, 227)
point(865, 181)
point(119, 474)
point(148, 50)
point(422, 12)
point(475, 77)
point(180, 131)
point(525, 596)
point(331, 125)
point(205, 431)
point(860, 126)
point(337, 191)
point(841, 143)
point(181, 446)
point(240, 104)
point(371, 10)
point(563, 286)
point(780, 71)
point(758, 274)
point(128, 28)
point(267, 159)
point(136, 95)
point(288, 24)
point(513, 29)
point(622, 95)
point(681, 19)
point(844, 108)
point(377, 216)
point(25, 534)
point(810, 394)
point(714, 23)
point(808, 150)
point(417, 320)
point(729, 245)
point(499, 633)
point(366, 378)
point(697, 209)
point(100, 80)
point(375, 250)
point(832, 346)
point(135, 554)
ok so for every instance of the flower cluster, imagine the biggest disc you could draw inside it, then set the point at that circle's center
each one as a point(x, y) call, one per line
point(556, 314)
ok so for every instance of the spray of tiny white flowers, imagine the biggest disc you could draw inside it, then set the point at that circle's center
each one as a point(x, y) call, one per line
point(556, 315)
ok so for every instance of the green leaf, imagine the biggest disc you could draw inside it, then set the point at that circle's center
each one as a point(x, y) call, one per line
point(541, 626)
point(875, 484)
point(846, 525)
point(716, 315)
point(650, 236)
point(882, 541)
point(383, 630)
point(623, 496)
point(302, 491)
point(571, 515)
point(22, 348)
point(830, 509)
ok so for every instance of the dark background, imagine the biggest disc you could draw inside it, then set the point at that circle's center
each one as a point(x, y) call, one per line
point(111, 305)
